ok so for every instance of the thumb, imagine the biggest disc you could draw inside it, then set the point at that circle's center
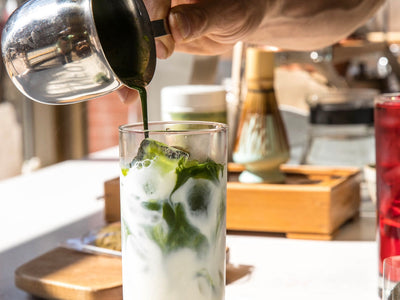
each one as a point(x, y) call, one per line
point(188, 21)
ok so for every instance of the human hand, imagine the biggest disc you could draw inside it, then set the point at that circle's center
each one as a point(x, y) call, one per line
point(203, 26)
point(213, 27)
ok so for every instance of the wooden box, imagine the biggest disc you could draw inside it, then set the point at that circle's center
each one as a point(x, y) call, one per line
point(111, 204)
point(313, 202)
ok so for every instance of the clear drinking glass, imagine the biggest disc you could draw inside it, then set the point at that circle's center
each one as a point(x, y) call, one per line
point(387, 129)
point(173, 204)
point(391, 278)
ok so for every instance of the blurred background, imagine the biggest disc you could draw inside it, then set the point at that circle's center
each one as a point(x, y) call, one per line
point(34, 135)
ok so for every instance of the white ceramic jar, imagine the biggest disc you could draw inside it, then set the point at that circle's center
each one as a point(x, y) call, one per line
point(194, 102)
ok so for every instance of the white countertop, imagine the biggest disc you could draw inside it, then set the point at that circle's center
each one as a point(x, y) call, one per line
point(42, 209)
point(297, 269)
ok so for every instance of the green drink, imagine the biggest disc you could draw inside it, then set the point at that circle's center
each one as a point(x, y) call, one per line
point(173, 203)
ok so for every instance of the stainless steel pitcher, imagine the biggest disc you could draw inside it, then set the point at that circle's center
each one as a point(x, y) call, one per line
point(65, 51)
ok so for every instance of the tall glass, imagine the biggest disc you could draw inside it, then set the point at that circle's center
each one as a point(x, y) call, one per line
point(391, 278)
point(387, 140)
point(173, 204)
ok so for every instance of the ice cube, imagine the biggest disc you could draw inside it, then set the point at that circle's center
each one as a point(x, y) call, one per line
point(150, 148)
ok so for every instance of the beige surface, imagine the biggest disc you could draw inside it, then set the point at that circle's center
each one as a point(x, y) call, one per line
point(10, 142)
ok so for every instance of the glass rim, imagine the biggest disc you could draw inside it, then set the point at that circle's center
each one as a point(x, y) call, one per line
point(390, 260)
point(138, 127)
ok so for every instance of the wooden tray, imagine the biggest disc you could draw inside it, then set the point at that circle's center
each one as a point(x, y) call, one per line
point(312, 204)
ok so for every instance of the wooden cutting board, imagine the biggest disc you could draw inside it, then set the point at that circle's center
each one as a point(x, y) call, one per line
point(68, 274)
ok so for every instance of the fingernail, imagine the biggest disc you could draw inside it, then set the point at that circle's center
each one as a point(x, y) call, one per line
point(183, 24)
point(161, 50)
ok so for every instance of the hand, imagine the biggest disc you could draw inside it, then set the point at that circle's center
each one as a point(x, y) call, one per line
point(213, 27)
point(203, 26)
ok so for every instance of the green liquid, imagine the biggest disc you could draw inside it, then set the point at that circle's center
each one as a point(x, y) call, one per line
point(143, 100)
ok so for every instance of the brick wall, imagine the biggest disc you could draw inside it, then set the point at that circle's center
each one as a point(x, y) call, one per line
point(104, 116)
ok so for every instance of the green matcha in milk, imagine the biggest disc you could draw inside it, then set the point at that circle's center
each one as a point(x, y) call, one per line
point(173, 204)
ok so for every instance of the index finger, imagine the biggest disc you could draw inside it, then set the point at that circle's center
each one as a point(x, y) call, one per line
point(159, 10)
